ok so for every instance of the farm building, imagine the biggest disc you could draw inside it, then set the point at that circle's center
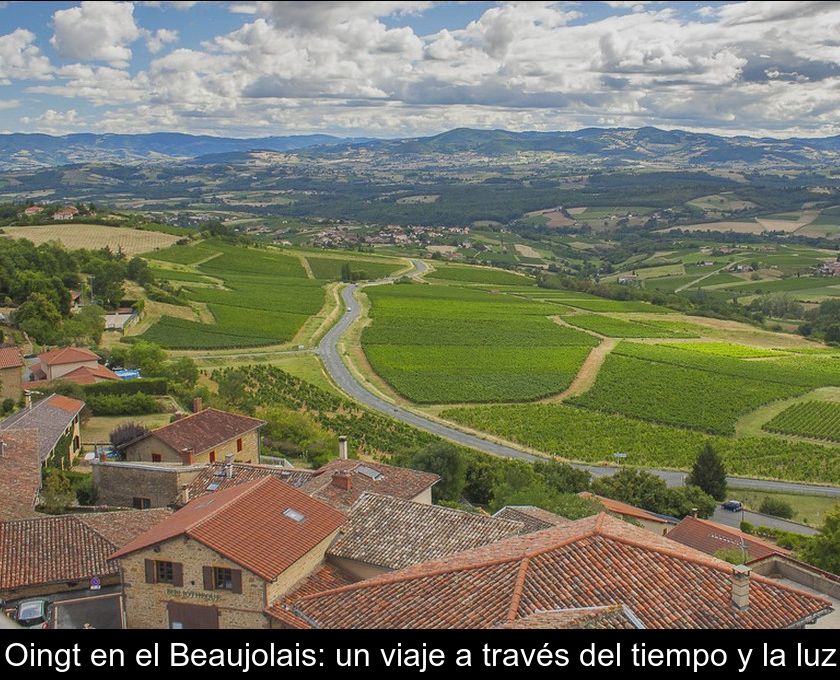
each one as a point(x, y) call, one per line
point(11, 372)
point(67, 213)
point(56, 420)
point(206, 436)
point(33, 210)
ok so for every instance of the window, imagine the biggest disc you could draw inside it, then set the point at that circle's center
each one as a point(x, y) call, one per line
point(164, 572)
point(156, 458)
point(293, 514)
point(222, 579)
point(239, 445)
point(142, 503)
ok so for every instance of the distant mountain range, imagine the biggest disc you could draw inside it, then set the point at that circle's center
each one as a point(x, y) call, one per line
point(615, 145)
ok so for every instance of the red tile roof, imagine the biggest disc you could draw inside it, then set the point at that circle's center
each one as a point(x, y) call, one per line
point(10, 357)
point(204, 430)
point(20, 474)
point(709, 537)
point(86, 375)
point(531, 517)
point(67, 355)
point(391, 533)
point(49, 417)
point(66, 547)
point(594, 562)
point(612, 617)
point(247, 524)
point(214, 477)
point(624, 509)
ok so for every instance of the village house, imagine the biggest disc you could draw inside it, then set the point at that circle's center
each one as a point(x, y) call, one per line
point(49, 555)
point(829, 269)
point(596, 562)
point(33, 210)
point(66, 213)
point(659, 524)
point(221, 560)
point(57, 420)
point(20, 474)
point(206, 436)
point(58, 362)
point(11, 372)
point(712, 538)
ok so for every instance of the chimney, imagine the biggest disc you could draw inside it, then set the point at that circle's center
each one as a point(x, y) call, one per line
point(342, 448)
point(185, 494)
point(343, 480)
point(694, 513)
point(28, 398)
point(229, 466)
point(198, 404)
point(741, 586)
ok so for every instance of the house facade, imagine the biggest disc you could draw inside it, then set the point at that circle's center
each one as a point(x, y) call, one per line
point(57, 363)
point(11, 373)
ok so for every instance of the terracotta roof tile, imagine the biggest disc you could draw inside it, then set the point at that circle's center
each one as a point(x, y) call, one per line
point(20, 474)
point(594, 562)
point(247, 524)
point(10, 357)
point(50, 417)
point(65, 547)
point(392, 533)
point(611, 617)
point(624, 509)
point(709, 537)
point(123, 526)
point(215, 476)
point(86, 375)
point(204, 430)
point(67, 355)
point(532, 518)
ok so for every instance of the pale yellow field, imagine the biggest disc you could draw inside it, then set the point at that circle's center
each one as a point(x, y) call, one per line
point(737, 227)
point(94, 236)
point(527, 251)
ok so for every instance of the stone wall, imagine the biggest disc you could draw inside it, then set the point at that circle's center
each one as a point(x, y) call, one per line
point(117, 484)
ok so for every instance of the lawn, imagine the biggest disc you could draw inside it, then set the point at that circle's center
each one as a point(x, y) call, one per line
point(807, 509)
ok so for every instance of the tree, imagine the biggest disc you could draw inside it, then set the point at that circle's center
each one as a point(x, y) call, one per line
point(481, 478)
point(562, 477)
point(649, 492)
point(346, 272)
point(146, 356)
point(87, 324)
point(445, 460)
point(126, 432)
point(138, 270)
point(57, 494)
point(297, 434)
point(709, 473)
point(823, 550)
point(183, 370)
point(39, 318)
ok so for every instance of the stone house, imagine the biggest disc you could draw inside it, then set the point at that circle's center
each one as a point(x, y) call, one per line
point(11, 372)
point(57, 421)
point(221, 560)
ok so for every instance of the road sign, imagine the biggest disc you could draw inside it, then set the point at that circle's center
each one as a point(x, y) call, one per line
point(95, 583)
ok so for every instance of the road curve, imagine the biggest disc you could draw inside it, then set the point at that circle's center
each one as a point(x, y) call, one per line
point(347, 382)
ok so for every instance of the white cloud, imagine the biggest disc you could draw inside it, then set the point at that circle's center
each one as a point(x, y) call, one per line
point(157, 39)
point(21, 59)
point(54, 122)
point(96, 31)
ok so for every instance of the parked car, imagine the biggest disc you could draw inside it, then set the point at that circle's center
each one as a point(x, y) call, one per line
point(33, 614)
point(734, 506)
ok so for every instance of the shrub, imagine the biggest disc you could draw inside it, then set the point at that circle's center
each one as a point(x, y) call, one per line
point(776, 507)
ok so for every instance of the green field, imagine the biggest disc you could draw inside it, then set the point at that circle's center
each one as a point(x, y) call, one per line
point(189, 254)
point(726, 349)
point(596, 304)
point(329, 268)
point(445, 344)
point(619, 328)
point(816, 419)
point(590, 436)
point(478, 274)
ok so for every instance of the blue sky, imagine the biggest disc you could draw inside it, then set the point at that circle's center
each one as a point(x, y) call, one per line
point(247, 68)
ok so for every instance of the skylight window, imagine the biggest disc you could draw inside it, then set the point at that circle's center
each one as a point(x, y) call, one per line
point(375, 475)
point(293, 514)
point(213, 486)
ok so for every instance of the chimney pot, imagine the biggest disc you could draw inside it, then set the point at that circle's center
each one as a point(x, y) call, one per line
point(229, 465)
point(198, 404)
point(342, 447)
point(694, 513)
point(741, 586)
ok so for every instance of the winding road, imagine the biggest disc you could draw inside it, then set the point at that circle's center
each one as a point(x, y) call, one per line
point(348, 383)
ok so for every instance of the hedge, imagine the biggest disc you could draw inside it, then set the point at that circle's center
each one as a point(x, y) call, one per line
point(138, 385)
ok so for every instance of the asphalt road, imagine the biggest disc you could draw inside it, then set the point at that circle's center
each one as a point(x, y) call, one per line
point(347, 382)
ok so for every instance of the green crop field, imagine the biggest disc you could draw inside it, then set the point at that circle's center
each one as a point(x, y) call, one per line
point(189, 254)
point(676, 395)
point(597, 304)
point(266, 300)
point(817, 419)
point(726, 349)
point(178, 275)
point(619, 328)
point(478, 274)
point(446, 344)
point(329, 268)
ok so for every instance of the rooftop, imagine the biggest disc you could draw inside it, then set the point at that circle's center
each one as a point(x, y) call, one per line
point(67, 547)
point(531, 517)
point(50, 417)
point(625, 509)
point(392, 533)
point(594, 562)
point(10, 357)
point(204, 430)
point(67, 355)
point(710, 537)
point(250, 525)
point(615, 617)
point(214, 477)
point(20, 473)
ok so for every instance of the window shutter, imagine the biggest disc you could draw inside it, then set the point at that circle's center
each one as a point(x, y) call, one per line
point(150, 571)
point(177, 574)
point(236, 580)
point(208, 578)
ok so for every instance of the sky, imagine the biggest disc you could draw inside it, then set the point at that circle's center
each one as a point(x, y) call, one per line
point(403, 69)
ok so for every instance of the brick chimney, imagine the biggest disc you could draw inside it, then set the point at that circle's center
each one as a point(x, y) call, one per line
point(198, 404)
point(229, 465)
point(343, 480)
point(342, 447)
point(741, 586)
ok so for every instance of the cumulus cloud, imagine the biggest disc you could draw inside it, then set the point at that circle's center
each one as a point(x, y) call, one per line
point(96, 31)
point(155, 40)
point(20, 58)
point(54, 122)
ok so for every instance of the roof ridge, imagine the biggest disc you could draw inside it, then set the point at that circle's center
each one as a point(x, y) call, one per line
point(438, 508)
point(518, 588)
